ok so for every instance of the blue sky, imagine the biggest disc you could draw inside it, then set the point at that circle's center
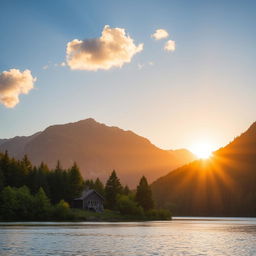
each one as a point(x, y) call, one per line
point(205, 89)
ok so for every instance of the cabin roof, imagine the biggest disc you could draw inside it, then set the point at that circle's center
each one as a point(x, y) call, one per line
point(87, 193)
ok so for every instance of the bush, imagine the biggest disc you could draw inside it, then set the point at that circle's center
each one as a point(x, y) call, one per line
point(158, 214)
point(127, 206)
point(62, 211)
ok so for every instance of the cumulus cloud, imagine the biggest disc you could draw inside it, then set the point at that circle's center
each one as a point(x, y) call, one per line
point(113, 49)
point(13, 83)
point(170, 46)
point(160, 34)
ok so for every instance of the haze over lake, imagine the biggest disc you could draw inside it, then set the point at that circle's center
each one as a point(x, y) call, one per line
point(182, 236)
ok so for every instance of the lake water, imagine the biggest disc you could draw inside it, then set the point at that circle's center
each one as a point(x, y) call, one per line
point(182, 236)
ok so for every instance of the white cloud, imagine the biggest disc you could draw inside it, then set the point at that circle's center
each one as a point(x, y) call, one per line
point(45, 67)
point(170, 46)
point(113, 49)
point(13, 83)
point(160, 34)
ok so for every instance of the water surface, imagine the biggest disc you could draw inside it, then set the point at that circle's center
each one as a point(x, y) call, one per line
point(182, 236)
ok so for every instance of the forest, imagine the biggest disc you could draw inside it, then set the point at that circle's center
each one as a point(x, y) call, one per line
point(36, 193)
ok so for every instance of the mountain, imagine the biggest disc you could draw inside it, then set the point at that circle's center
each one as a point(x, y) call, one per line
point(224, 185)
point(97, 149)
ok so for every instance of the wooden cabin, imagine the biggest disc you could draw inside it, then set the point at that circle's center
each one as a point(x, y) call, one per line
point(90, 200)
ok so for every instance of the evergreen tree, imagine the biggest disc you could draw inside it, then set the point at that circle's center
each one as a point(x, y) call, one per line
point(2, 181)
point(42, 205)
point(126, 191)
point(144, 195)
point(89, 184)
point(99, 187)
point(25, 204)
point(75, 183)
point(112, 189)
point(58, 184)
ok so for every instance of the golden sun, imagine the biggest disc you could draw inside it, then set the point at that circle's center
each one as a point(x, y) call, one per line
point(202, 150)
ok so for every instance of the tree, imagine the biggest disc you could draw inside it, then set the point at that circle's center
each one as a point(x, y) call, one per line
point(126, 191)
point(128, 206)
point(144, 195)
point(89, 184)
point(42, 205)
point(8, 204)
point(99, 187)
point(2, 181)
point(25, 203)
point(75, 183)
point(61, 211)
point(112, 189)
point(58, 187)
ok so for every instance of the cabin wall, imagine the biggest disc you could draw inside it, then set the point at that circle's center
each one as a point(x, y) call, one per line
point(98, 202)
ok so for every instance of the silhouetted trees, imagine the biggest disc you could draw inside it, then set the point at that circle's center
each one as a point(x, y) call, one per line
point(29, 192)
point(144, 195)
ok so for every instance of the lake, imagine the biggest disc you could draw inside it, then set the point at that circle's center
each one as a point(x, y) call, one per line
point(182, 236)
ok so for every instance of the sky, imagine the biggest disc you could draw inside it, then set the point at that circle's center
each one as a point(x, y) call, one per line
point(201, 88)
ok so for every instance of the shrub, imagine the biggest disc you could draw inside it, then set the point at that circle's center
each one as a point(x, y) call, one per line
point(158, 214)
point(127, 206)
point(61, 211)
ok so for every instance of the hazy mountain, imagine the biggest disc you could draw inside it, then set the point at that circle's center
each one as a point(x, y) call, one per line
point(98, 149)
point(224, 185)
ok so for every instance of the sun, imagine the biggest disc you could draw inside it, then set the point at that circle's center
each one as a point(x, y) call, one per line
point(202, 150)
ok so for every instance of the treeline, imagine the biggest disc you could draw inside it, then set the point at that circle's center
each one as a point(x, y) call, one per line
point(58, 184)
point(30, 192)
point(137, 203)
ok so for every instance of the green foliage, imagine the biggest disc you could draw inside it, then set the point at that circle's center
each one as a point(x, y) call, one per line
point(17, 204)
point(42, 205)
point(75, 183)
point(158, 214)
point(2, 181)
point(144, 195)
point(8, 204)
point(128, 206)
point(99, 187)
point(126, 190)
point(25, 203)
point(62, 211)
point(30, 193)
point(89, 184)
point(112, 189)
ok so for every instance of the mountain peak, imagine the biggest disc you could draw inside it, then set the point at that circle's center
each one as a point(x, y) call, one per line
point(97, 149)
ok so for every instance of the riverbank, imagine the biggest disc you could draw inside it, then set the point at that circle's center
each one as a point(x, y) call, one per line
point(78, 215)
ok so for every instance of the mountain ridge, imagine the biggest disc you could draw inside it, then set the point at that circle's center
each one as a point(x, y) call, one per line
point(97, 149)
point(223, 185)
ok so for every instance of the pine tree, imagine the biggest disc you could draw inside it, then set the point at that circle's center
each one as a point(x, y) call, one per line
point(144, 195)
point(2, 181)
point(126, 191)
point(42, 205)
point(89, 184)
point(112, 189)
point(99, 187)
point(75, 183)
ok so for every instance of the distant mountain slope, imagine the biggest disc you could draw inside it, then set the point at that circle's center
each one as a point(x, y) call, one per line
point(224, 185)
point(97, 149)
